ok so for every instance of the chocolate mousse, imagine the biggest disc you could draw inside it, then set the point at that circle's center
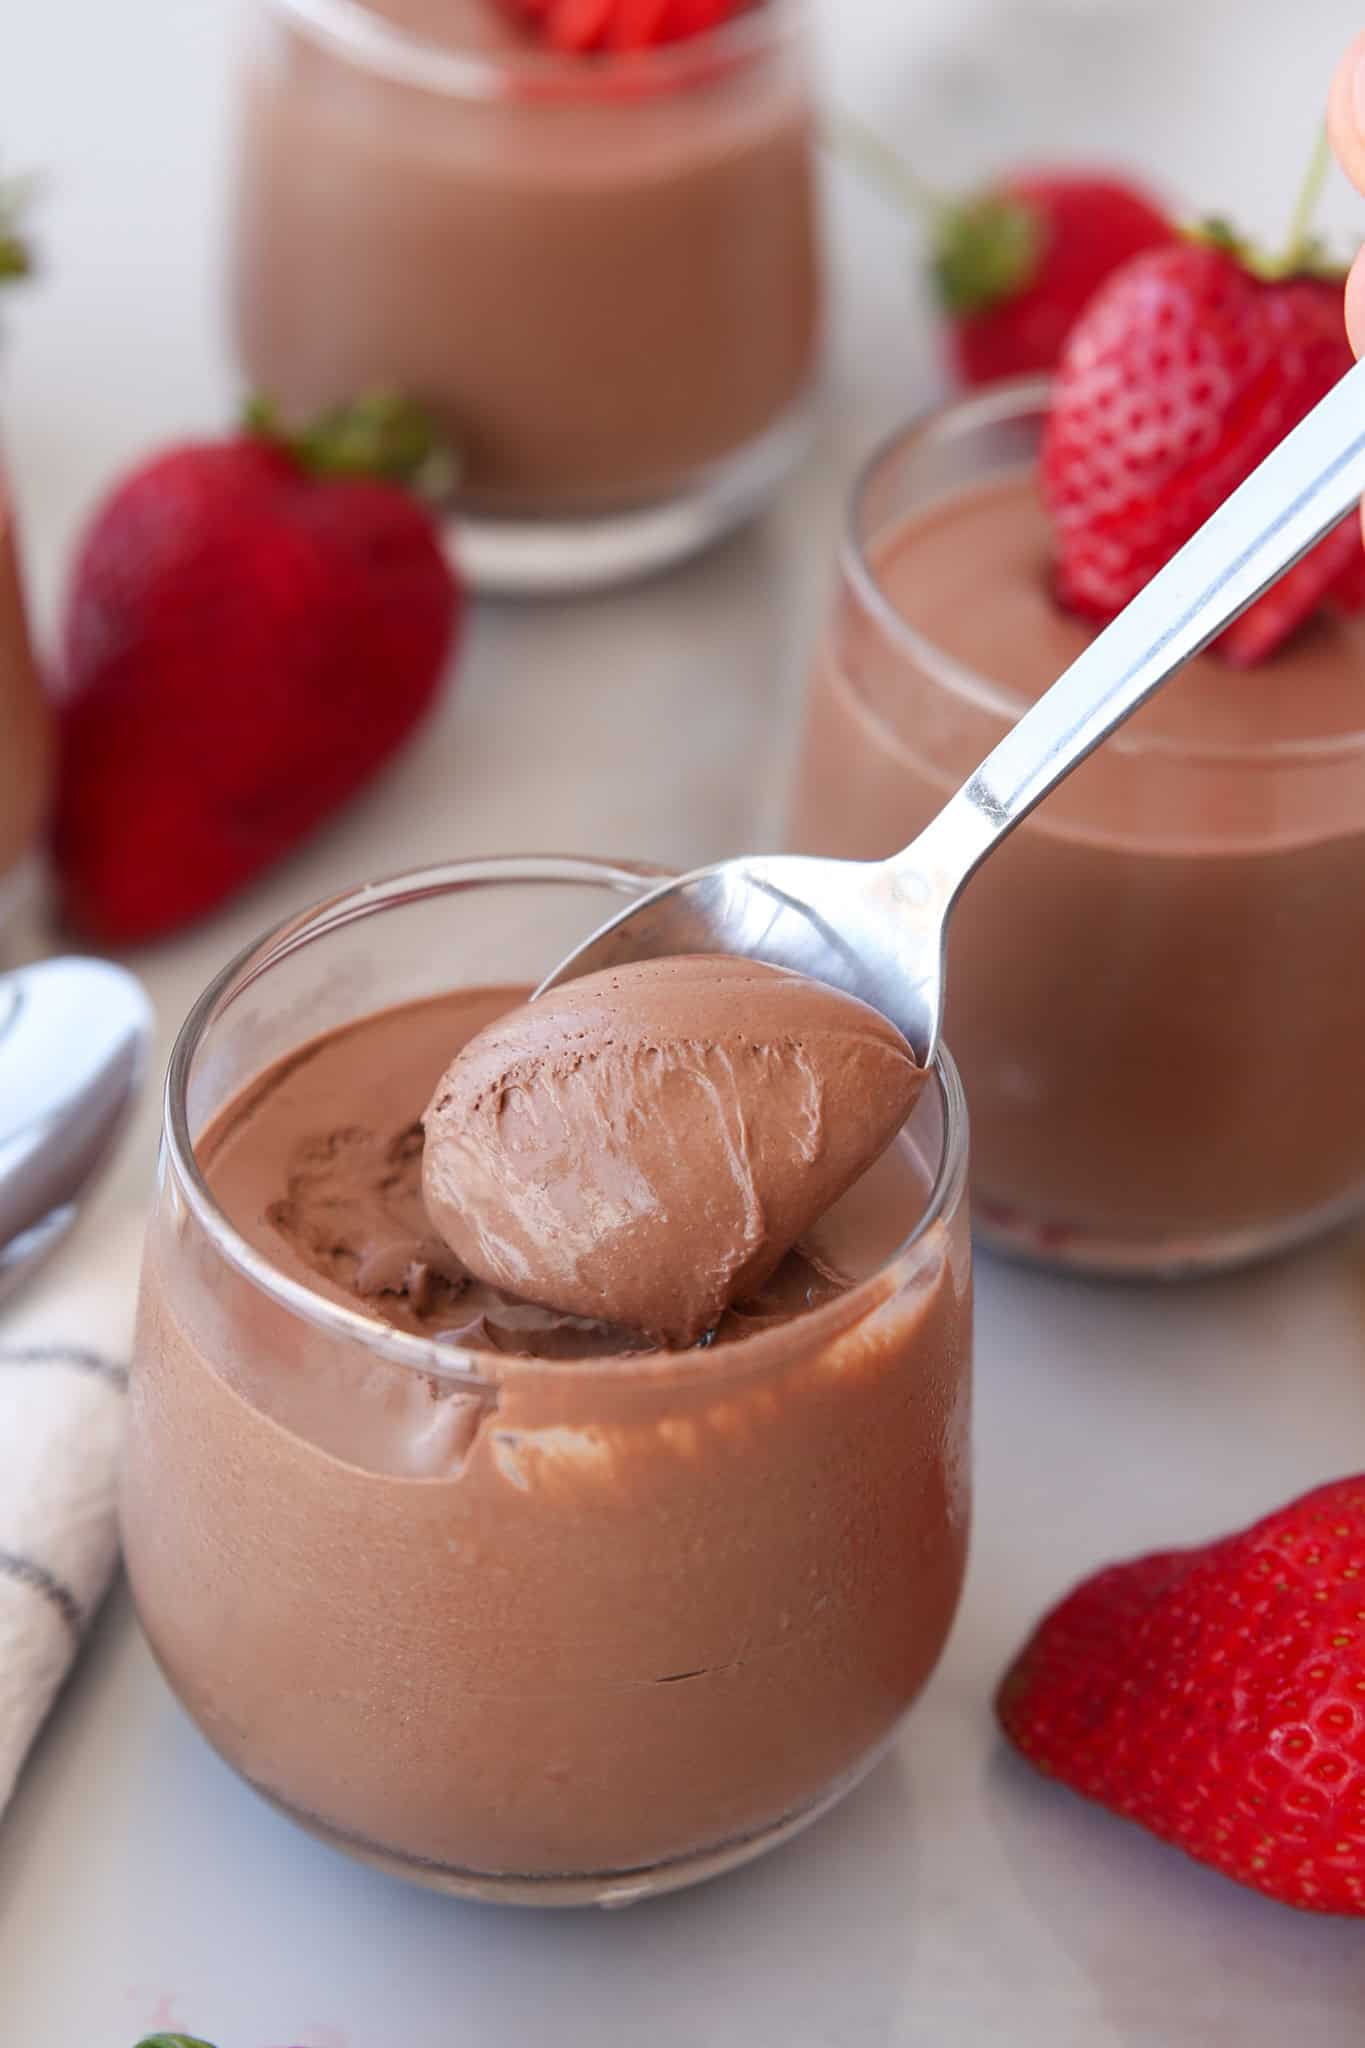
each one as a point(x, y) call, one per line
point(541, 1610)
point(1156, 986)
point(645, 1145)
point(599, 274)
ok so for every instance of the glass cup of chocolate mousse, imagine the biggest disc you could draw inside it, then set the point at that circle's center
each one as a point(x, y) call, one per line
point(598, 273)
point(25, 728)
point(1156, 986)
point(503, 1599)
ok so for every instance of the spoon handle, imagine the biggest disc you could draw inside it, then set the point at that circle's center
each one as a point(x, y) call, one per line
point(1302, 489)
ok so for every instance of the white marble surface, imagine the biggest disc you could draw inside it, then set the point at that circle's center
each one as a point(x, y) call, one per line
point(954, 1901)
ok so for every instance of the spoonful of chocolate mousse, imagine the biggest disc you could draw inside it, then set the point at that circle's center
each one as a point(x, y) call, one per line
point(644, 1146)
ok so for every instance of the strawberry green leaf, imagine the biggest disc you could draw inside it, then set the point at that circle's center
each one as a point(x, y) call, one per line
point(173, 2041)
point(378, 434)
point(988, 249)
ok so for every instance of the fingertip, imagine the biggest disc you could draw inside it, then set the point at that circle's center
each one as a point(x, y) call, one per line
point(1355, 304)
point(1346, 112)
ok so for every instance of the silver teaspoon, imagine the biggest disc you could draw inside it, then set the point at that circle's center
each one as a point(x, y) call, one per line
point(879, 928)
point(73, 1045)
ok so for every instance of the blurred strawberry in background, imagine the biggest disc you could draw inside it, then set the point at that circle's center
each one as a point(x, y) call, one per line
point(253, 627)
point(1015, 263)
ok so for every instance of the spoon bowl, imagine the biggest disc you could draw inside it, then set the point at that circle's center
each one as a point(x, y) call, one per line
point(73, 1044)
point(848, 922)
point(879, 928)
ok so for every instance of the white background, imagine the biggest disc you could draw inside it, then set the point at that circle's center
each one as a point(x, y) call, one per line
point(954, 1900)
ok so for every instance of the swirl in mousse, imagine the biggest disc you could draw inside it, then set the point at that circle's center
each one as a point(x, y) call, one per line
point(547, 1471)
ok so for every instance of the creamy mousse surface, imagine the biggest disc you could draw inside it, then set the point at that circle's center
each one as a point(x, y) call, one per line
point(597, 291)
point(605, 1170)
point(1156, 985)
point(599, 1606)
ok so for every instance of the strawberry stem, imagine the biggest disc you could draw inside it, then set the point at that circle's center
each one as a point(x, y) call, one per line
point(986, 247)
point(884, 168)
point(16, 257)
point(380, 434)
point(1302, 251)
point(1305, 254)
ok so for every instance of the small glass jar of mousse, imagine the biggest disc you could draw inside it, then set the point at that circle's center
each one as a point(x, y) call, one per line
point(25, 727)
point(537, 1629)
point(1156, 985)
point(598, 273)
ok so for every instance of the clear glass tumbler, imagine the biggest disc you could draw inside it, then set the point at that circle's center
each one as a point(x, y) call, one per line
point(1157, 985)
point(25, 727)
point(545, 1632)
point(600, 274)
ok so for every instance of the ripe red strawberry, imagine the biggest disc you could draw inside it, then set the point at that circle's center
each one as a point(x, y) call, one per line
point(1217, 1697)
point(1180, 377)
point(587, 25)
point(247, 641)
point(1016, 265)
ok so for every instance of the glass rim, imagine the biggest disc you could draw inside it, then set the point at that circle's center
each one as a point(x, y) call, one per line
point(1014, 399)
point(465, 1366)
point(351, 30)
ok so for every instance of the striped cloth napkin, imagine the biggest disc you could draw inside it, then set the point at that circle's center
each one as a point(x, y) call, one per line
point(63, 1345)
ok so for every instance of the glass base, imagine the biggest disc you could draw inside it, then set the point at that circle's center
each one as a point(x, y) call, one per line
point(1060, 1248)
point(20, 893)
point(552, 556)
point(609, 1889)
